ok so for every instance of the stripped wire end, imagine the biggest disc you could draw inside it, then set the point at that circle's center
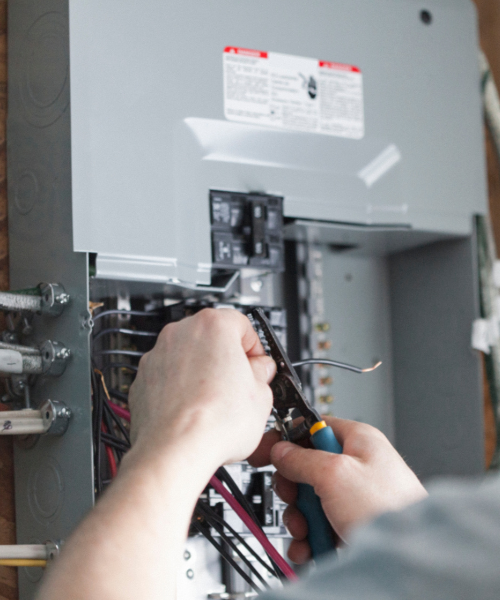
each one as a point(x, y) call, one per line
point(372, 368)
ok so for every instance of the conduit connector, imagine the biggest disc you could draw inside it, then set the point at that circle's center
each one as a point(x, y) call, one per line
point(29, 555)
point(50, 359)
point(51, 300)
point(52, 418)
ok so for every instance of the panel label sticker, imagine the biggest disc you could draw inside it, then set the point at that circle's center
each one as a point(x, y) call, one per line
point(293, 92)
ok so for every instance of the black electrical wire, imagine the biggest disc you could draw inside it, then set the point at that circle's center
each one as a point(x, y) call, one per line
point(229, 542)
point(119, 365)
point(117, 420)
point(334, 363)
point(114, 441)
point(119, 352)
point(118, 395)
point(110, 414)
point(127, 313)
point(226, 556)
point(138, 332)
point(224, 475)
point(226, 478)
point(97, 431)
point(211, 514)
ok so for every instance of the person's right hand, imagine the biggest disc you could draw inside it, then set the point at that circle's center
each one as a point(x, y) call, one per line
point(368, 479)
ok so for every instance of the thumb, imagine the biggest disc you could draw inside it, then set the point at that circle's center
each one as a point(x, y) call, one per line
point(302, 465)
point(263, 367)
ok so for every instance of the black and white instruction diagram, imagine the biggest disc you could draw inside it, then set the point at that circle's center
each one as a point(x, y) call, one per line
point(293, 92)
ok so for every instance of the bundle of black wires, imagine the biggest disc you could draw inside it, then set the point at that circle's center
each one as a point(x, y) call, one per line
point(109, 433)
point(111, 441)
point(206, 517)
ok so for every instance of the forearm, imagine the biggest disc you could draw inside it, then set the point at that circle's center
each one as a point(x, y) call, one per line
point(129, 547)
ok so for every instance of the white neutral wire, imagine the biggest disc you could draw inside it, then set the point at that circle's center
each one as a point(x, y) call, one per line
point(22, 422)
point(23, 552)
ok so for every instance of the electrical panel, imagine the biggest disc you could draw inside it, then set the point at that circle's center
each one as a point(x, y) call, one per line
point(322, 160)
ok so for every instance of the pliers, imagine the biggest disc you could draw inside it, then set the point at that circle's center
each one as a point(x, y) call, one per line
point(287, 396)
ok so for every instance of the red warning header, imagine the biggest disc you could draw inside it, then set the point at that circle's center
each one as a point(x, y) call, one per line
point(245, 52)
point(338, 66)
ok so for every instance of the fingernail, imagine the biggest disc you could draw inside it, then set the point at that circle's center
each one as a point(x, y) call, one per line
point(280, 450)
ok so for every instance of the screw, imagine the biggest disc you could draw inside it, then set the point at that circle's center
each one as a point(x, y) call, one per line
point(326, 380)
point(64, 353)
point(322, 327)
point(62, 298)
point(190, 574)
point(325, 345)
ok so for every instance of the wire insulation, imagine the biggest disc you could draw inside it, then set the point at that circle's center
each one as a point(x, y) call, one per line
point(125, 313)
point(334, 363)
point(22, 562)
point(120, 412)
point(256, 531)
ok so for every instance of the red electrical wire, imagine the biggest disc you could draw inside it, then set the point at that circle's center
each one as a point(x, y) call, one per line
point(111, 457)
point(236, 506)
point(258, 533)
point(123, 413)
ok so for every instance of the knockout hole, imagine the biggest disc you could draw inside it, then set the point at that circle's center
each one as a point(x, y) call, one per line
point(426, 17)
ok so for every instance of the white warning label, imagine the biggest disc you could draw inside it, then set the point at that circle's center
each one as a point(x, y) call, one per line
point(292, 92)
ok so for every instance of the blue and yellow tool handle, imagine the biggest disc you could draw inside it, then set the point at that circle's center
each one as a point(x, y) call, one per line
point(321, 536)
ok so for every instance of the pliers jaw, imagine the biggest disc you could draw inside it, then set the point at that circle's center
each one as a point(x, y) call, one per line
point(286, 387)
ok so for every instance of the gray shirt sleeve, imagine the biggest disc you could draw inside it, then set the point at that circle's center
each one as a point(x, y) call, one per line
point(445, 547)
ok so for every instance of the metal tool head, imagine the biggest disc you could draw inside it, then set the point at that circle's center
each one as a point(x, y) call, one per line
point(286, 385)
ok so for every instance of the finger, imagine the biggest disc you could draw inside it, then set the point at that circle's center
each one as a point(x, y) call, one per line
point(303, 465)
point(358, 439)
point(249, 338)
point(299, 552)
point(262, 456)
point(295, 522)
point(263, 367)
point(285, 489)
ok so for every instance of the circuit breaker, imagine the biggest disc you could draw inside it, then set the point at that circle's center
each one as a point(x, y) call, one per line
point(322, 160)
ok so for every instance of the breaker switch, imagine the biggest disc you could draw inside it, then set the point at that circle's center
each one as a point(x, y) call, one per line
point(258, 230)
point(247, 231)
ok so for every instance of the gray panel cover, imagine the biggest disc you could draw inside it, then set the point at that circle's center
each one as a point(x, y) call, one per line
point(150, 138)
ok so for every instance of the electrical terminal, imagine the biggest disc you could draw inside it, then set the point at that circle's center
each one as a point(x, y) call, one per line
point(324, 345)
point(327, 399)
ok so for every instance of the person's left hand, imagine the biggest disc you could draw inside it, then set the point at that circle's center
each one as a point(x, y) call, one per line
point(205, 383)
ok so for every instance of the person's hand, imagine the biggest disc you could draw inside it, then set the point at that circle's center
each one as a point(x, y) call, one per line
point(368, 479)
point(205, 382)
